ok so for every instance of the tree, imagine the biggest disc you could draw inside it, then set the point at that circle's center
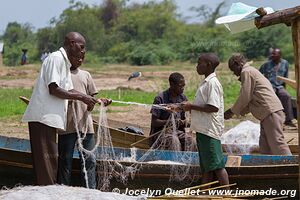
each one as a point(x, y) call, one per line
point(16, 32)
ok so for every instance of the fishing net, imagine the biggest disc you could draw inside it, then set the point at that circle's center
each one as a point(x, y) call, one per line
point(242, 139)
point(60, 192)
point(166, 152)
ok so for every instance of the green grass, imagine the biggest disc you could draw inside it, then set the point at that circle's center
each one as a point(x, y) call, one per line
point(10, 104)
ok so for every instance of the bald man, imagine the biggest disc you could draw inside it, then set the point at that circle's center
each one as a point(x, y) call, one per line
point(47, 109)
point(276, 66)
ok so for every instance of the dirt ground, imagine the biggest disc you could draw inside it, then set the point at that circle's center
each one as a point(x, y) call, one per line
point(119, 116)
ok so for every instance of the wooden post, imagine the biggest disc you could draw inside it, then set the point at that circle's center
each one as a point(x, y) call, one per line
point(1, 59)
point(296, 43)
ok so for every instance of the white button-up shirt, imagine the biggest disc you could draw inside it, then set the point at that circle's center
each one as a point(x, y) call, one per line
point(46, 108)
point(209, 92)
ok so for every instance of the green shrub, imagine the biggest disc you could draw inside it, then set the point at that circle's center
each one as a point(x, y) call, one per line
point(151, 54)
point(92, 58)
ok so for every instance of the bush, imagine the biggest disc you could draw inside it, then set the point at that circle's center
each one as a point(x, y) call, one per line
point(151, 54)
point(92, 58)
point(120, 51)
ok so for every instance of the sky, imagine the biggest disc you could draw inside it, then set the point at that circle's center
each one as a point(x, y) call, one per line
point(39, 12)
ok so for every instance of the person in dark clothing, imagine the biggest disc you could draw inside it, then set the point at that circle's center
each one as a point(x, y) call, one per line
point(172, 96)
point(276, 66)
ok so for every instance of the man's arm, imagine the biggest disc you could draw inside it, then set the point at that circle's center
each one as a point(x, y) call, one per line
point(155, 122)
point(57, 91)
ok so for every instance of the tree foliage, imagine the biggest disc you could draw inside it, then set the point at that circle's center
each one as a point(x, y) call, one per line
point(142, 34)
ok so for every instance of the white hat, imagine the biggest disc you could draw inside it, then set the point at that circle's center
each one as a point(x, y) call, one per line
point(240, 17)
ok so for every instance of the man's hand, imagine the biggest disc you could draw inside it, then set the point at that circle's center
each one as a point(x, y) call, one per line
point(228, 114)
point(105, 101)
point(181, 122)
point(89, 101)
point(186, 106)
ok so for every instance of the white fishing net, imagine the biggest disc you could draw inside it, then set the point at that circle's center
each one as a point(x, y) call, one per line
point(55, 192)
point(242, 139)
point(121, 167)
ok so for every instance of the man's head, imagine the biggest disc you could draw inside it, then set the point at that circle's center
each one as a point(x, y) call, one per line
point(276, 55)
point(177, 83)
point(207, 63)
point(236, 63)
point(74, 45)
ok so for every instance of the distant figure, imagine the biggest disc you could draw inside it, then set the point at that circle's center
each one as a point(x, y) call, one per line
point(276, 66)
point(24, 57)
point(134, 75)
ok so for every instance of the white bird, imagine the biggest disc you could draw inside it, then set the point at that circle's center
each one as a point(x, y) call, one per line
point(135, 75)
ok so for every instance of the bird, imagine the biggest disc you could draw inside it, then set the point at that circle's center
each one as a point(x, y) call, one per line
point(135, 75)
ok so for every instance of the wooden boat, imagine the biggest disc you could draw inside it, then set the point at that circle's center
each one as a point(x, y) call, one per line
point(128, 140)
point(119, 138)
point(255, 171)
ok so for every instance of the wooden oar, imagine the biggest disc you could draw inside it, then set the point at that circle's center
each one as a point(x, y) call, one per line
point(221, 186)
point(147, 138)
point(202, 185)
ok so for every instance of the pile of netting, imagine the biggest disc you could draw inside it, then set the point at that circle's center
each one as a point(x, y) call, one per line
point(60, 192)
point(242, 139)
point(113, 165)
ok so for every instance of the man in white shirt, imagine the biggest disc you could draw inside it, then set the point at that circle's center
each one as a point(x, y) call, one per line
point(47, 109)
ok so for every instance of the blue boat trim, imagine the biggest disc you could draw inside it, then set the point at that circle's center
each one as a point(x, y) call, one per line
point(247, 160)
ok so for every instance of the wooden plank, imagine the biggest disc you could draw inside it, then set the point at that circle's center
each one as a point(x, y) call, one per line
point(296, 44)
point(288, 81)
point(233, 161)
point(283, 16)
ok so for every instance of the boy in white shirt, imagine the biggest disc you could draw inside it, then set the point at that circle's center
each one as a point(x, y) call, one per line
point(207, 119)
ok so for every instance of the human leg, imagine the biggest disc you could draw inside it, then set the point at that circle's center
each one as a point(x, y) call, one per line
point(264, 147)
point(66, 144)
point(44, 152)
point(211, 159)
point(273, 126)
point(90, 162)
point(286, 102)
point(222, 176)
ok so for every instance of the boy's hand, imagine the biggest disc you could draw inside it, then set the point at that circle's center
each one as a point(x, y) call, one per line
point(186, 106)
point(105, 101)
point(228, 114)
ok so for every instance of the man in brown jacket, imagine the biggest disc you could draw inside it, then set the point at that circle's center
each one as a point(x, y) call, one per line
point(258, 97)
